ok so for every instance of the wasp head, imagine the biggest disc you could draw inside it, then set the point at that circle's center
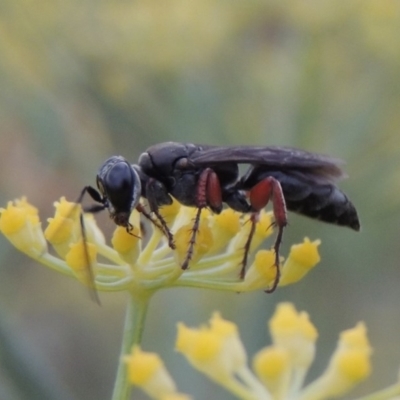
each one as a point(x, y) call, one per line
point(120, 186)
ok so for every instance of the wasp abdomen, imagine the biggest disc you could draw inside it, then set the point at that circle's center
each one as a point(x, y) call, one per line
point(318, 200)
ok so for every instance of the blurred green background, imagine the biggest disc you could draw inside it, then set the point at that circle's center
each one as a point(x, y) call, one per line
point(83, 80)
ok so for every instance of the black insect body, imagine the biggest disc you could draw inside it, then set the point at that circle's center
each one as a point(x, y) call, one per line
point(208, 176)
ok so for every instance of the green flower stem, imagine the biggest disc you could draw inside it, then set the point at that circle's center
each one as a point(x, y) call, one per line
point(253, 383)
point(133, 329)
point(210, 284)
point(109, 253)
point(54, 263)
point(387, 393)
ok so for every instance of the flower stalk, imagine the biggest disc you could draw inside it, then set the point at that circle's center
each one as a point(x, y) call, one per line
point(132, 335)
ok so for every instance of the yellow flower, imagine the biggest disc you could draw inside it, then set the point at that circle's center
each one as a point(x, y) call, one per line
point(81, 258)
point(143, 260)
point(273, 367)
point(203, 244)
point(127, 244)
point(349, 365)
point(147, 371)
point(279, 369)
point(216, 350)
point(294, 332)
point(302, 258)
point(20, 224)
point(262, 272)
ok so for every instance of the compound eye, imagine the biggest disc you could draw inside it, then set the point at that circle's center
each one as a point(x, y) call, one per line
point(100, 186)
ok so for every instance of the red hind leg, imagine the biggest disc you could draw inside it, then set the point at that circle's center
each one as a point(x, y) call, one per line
point(260, 194)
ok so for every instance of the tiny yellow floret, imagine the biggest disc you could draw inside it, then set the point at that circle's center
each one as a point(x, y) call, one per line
point(13, 218)
point(262, 271)
point(224, 227)
point(222, 327)
point(200, 345)
point(81, 260)
point(302, 258)
point(356, 337)
point(142, 366)
point(355, 365)
point(264, 227)
point(271, 362)
point(169, 212)
point(122, 241)
point(59, 229)
point(285, 319)
point(67, 209)
point(147, 371)
point(294, 332)
point(203, 244)
point(306, 328)
point(20, 223)
point(206, 346)
point(31, 209)
point(264, 261)
point(184, 338)
point(228, 222)
point(306, 253)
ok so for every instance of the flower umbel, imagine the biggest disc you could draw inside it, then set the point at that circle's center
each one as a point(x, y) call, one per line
point(279, 370)
point(132, 263)
point(141, 262)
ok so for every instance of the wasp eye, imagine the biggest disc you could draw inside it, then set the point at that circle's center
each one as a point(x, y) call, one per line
point(100, 186)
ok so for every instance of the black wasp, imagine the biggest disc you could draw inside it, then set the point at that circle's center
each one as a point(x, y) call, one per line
point(208, 176)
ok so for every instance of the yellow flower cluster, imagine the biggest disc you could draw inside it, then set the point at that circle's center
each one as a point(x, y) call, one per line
point(278, 370)
point(144, 261)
